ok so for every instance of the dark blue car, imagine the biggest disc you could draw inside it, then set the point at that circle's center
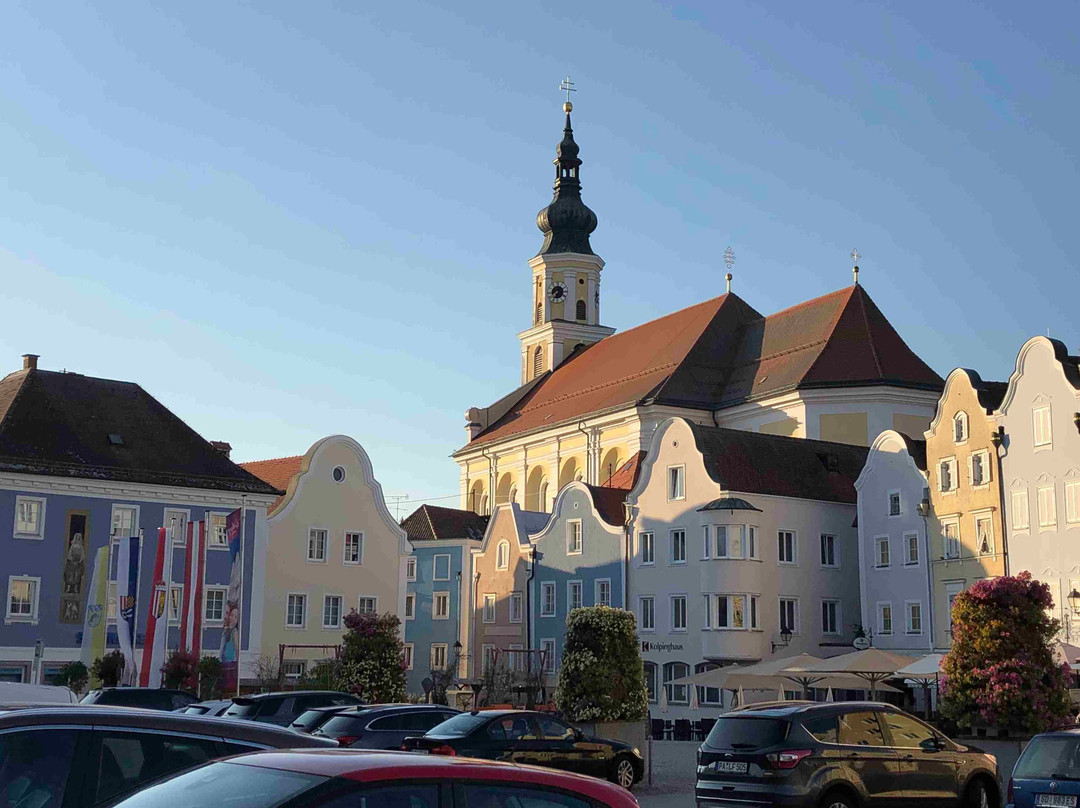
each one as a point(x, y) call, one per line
point(1047, 775)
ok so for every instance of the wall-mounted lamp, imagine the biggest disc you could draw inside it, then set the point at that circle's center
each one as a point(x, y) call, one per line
point(785, 639)
point(1076, 420)
point(1074, 601)
point(923, 508)
point(997, 437)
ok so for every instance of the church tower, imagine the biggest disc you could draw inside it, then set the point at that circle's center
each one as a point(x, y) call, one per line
point(565, 293)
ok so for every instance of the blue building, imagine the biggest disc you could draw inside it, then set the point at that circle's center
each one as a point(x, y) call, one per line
point(85, 462)
point(580, 561)
point(442, 539)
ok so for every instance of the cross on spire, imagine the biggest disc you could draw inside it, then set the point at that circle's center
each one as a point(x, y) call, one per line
point(855, 269)
point(567, 86)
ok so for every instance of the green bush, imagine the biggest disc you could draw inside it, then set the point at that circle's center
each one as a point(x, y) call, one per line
point(108, 669)
point(602, 677)
point(209, 671)
point(74, 676)
point(373, 657)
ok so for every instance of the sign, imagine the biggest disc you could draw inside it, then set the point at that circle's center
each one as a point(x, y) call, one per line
point(861, 643)
point(647, 645)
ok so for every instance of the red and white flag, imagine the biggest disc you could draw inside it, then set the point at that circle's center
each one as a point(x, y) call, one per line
point(191, 617)
point(157, 621)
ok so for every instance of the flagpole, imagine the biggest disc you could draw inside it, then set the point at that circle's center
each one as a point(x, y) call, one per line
point(240, 605)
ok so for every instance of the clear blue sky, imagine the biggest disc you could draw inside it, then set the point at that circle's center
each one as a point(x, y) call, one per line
point(287, 220)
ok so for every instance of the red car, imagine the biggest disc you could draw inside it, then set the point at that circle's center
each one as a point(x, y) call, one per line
point(342, 779)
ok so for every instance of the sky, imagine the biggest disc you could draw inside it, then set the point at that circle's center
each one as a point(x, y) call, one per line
point(291, 220)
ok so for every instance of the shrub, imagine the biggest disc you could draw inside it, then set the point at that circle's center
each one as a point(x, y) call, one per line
point(179, 669)
point(107, 669)
point(602, 677)
point(74, 676)
point(1000, 670)
point(209, 671)
point(373, 657)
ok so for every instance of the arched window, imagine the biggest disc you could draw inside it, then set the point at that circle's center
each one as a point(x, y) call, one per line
point(543, 498)
point(538, 361)
point(581, 309)
point(539, 312)
point(484, 506)
point(502, 556)
point(960, 427)
point(650, 681)
point(513, 494)
point(677, 694)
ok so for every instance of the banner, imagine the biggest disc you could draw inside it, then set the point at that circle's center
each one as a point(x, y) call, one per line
point(191, 617)
point(230, 631)
point(93, 636)
point(157, 619)
point(127, 595)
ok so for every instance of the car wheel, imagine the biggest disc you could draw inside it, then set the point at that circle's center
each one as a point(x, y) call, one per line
point(623, 772)
point(837, 799)
point(979, 795)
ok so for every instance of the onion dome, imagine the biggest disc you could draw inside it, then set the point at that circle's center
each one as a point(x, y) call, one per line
point(566, 223)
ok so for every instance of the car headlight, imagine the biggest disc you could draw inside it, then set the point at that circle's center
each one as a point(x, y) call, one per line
point(636, 751)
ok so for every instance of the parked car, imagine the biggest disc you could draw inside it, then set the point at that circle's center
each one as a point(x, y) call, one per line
point(1047, 774)
point(212, 708)
point(375, 780)
point(382, 726)
point(285, 707)
point(839, 755)
point(149, 698)
point(522, 736)
point(24, 693)
point(310, 720)
point(88, 754)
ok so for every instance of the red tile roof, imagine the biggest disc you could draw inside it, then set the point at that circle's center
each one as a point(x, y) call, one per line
point(626, 475)
point(277, 471)
point(432, 522)
point(721, 353)
point(609, 503)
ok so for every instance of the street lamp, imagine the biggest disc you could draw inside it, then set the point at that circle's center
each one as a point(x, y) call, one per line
point(1074, 601)
point(785, 639)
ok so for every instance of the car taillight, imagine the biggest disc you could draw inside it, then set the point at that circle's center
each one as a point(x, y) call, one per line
point(788, 759)
point(345, 740)
point(1009, 791)
point(443, 749)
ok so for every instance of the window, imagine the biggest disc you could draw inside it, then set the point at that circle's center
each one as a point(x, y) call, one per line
point(647, 548)
point(214, 606)
point(573, 537)
point(951, 534)
point(906, 732)
point(502, 556)
point(574, 595)
point(751, 541)
point(602, 596)
point(331, 611)
point(884, 618)
point(502, 796)
point(410, 607)
point(407, 656)
point(1041, 426)
point(911, 549)
point(440, 606)
point(830, 617)
point(861, 729)
point(648, 613)
point(677, 694)
point(219, 530)
point(515, 607)
point(729, 541)
point(22, 602)
point(984, 534)
point(730, 611)
point(789, 615)
point(547, 650)
point(676, 488)
point(538, 356)
point(882, 558)
point(440, 568)
point(366, 605)
point(142, 756)
point(823, 729)
point(547, 599)
point(650, 681)
point(708, 695)
point(947, 475)
point(29, 517)
point(914, 617)
point(176, 603)
point(354, 551)
point(1072, 502)
point(706, 548)
point(580, 312)
point(438, 656)
point(124, 521)
point(1047, 507)
point(37, 767)
point(753, 612)
point(952, 589)
point(487, 655)
point(316, 545)
point(678, 547)
point(296, 611)
point(489, 608)
point(980, 468)
point(894, 503)
point(1020, 510)
point(786, 548)
point(829, 556)
point(678, 613)
point(960, 427)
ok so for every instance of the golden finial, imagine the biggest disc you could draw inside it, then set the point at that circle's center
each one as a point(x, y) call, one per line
point(568, 87)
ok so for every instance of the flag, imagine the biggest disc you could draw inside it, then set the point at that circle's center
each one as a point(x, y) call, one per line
point(230, 631)
point(191, 616)
point(93, 636)
point(157, 618)
point(127, 595)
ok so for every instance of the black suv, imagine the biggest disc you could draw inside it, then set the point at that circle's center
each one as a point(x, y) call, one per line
point(839, 755)
point(149, 698)
point(381, 726)
point(285, 707)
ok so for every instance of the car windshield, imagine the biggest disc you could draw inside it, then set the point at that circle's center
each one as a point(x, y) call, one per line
point(459, 726)
point(1056, 756)
point(746, 732)
point(225, 785)
point(245, 710)
point(309, 719)
point(341, 725)
point(92, 697)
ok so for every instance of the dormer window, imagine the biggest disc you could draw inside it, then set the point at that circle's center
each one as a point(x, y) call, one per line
point(960, 427)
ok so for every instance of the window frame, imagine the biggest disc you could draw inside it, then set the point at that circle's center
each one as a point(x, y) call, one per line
point(880, 542)
point(899, 503)
point(908, 562)
point(834, 546)
point(178, 588)
point(39, 535)
point(984, 516)
point(1016, 509)
point(1039, 491)
point(961, 419)
point(676, 485)
point(796, 629)
point(794, 560)
point(445, 654)
point(410, 606)
point(325, 548)
point(436, 597)
point(597, 586)
point(882, 605)
point(651, 543)
point(651, 628)
point(341, 611)
point(217, 519)
point(954, 483)
point(33, 618)
point(183, 517)
point(302, 625)
point(570, 595)
point(502, 556)
point(674, 677)
point(545, 588)
point(574, 528)
point(907, 618)
point(671, 546)
point(519, 599)
point(838, 630)
point(946, 541)
point(489, 615)
point(549, 664)
point(407, 655)
point(672, 613)
point(359, 535)
point(984, 464)
point(374, 604)
point(435, 566)
point(207, 591)
point(410, 569)
point(1072, 485)
point(1048, 443)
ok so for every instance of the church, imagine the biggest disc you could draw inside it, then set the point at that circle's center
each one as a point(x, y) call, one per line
point(832, 368)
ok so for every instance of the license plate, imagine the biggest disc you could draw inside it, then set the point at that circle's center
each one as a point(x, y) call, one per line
point(1055, 800)
point(728, 767)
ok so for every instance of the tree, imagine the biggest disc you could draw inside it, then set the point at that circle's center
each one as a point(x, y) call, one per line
point(179, 668)
point(1000, 670)
point(602, 677)
point(74, 676)
point(373, 657)
point(209, 671)
point(107, 669)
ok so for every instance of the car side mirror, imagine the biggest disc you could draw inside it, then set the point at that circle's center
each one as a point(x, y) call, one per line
point(578, 734)
point(934, 744)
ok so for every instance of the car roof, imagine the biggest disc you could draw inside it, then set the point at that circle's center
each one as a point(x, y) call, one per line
point(375, 766)
point(786, 710)
point(142, 689)
point(92, 715)
point(278, 694)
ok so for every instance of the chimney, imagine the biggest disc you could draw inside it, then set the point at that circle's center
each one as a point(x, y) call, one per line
point(29, 361)
point(222, 446)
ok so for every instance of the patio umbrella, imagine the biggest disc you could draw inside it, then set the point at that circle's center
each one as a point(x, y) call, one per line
point(694, 705)
point(872, 665)
point(780, 694)
point(828, 695)
point(740, 698)
point(663, 700)
point(924, 672)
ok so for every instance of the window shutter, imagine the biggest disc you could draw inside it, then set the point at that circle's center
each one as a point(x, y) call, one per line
point(971, 469)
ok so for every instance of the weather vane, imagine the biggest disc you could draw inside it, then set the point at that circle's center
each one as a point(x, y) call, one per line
point(568, 86)
point(729, 261)
point(855, 269)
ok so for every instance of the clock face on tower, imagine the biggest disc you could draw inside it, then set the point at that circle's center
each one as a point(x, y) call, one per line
point(557, 293)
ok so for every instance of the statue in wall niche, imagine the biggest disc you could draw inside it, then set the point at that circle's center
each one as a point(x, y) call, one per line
point(73, 571)
point(74, 566)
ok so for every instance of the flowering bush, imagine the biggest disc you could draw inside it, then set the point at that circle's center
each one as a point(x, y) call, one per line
point(179, 669)
point(1000, 670)
point(602, 677)
point(373, 657)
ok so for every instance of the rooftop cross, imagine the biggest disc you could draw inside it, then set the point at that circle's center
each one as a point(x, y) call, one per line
point(568, 87)
point(855, 269)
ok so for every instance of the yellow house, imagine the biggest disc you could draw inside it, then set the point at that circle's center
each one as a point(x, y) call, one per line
point(965, 522)
point(333, 547)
